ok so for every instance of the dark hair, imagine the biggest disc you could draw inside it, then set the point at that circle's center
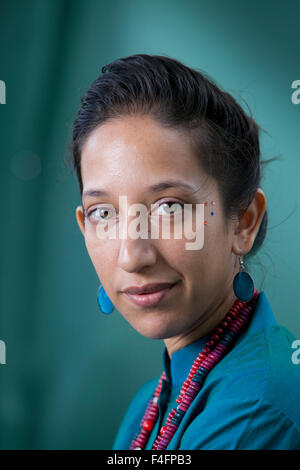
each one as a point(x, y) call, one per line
point(225, 137)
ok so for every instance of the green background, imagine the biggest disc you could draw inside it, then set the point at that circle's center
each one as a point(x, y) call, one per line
point(71, 371)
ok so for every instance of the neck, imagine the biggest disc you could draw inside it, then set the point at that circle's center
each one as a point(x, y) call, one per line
point(201, 327)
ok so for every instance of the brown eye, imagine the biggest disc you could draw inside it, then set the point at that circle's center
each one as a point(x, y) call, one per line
point(102, 214)
point(170, 207)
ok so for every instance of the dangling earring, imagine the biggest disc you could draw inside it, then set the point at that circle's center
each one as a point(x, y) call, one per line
point(104, 302)
point(243, 284)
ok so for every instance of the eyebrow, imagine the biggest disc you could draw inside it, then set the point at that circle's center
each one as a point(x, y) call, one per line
point(157, 187)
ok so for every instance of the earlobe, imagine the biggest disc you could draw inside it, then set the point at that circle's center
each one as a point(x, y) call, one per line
point(80, 219)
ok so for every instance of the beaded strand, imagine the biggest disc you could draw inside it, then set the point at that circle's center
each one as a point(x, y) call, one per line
point(219, 344)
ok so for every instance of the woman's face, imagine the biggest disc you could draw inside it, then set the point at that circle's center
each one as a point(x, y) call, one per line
point(126, 157)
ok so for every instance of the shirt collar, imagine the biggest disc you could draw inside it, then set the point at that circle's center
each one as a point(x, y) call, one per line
point(177, 368)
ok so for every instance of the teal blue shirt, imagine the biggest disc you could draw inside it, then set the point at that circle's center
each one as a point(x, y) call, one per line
point(249, 400)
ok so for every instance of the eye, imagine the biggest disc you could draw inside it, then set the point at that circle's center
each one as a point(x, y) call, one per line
point(101, 214)
point(170, 207)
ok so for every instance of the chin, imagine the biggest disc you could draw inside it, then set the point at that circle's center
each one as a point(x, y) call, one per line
point(155, 329)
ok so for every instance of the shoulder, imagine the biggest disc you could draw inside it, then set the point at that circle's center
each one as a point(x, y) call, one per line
point(283, 378)
point(134, 414)
point(264, 363)
point(145, 391)
point(249, 400)
point(268, 366)
point(141, 397)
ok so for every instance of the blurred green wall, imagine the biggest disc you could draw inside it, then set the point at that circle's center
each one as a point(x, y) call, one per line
point(70, 372)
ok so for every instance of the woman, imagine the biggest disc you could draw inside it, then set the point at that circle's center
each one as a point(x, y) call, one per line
point(165, 137)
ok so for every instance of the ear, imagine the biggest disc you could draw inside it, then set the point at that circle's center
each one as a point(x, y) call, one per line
point(248, 226)
point(80, 219)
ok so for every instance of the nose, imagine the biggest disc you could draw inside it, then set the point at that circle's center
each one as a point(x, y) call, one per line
point(136, 254)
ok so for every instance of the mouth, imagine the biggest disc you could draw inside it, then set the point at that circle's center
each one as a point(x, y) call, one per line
point(153, 298)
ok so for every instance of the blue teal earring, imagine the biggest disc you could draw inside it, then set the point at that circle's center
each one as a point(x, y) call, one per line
point(243, 284)
point(104, 302)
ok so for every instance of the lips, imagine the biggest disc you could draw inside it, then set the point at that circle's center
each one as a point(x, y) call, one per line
point(152, 297)
point(154, 287)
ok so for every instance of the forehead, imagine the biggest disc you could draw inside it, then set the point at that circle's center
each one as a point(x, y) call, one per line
point(133, 149)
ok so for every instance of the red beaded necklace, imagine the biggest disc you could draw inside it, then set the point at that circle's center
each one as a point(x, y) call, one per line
point(219, 344)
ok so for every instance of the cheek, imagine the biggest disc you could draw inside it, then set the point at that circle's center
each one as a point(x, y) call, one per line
point(182, 260)
point(101, 256)
point(206, 263)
